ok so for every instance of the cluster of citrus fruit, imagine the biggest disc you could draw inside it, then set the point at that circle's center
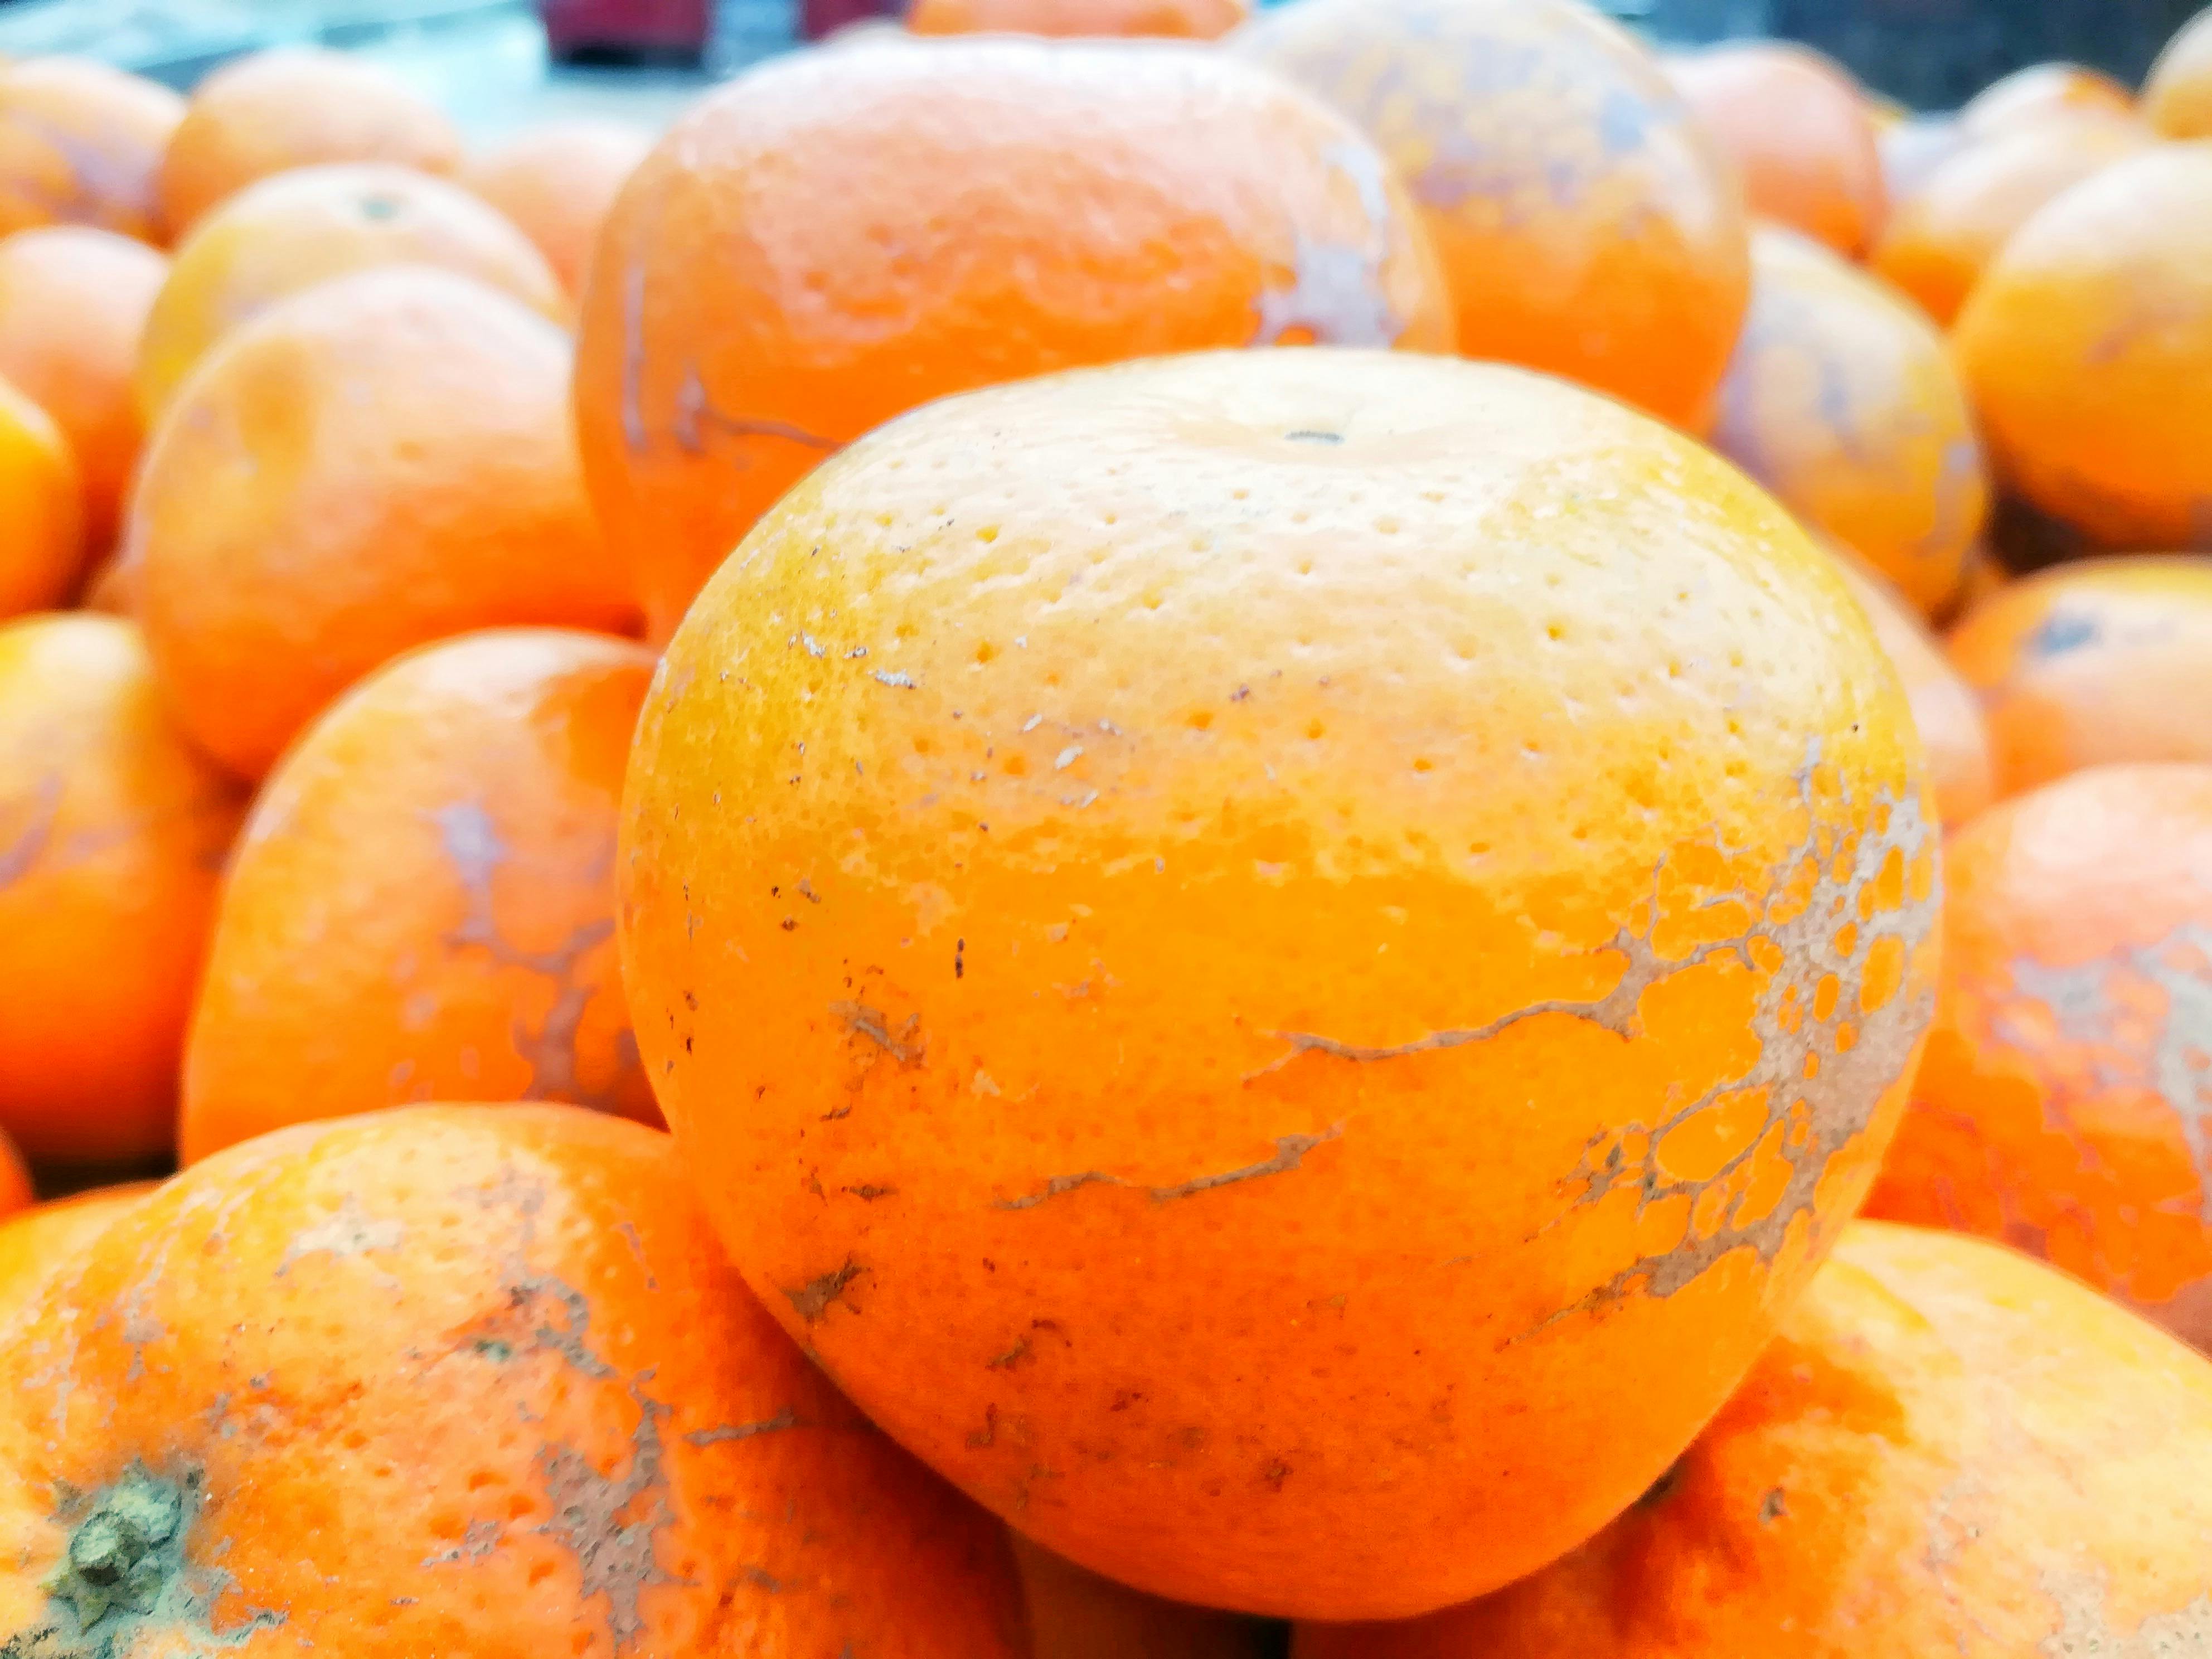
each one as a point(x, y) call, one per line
point(864, 941)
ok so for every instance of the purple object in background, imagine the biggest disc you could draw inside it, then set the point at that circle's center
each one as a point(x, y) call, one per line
point(627, 31)
point(820, 17)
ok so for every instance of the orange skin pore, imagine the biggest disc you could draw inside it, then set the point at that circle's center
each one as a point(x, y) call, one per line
point(1843, 401)
point(1236, 1111)
point(423, 898)
point(380, 463)
point(836, 237)
point(1944, 708)
point(2092, 663)
point(308, 227)
point(80, 143)
point(2040, 93)
point(2088, 347)
point(1195, 19)
point(112, 833)
point(558, 182)
point(1950, 1450)
point(2176, 99)
point(41, 510)
point(458, 1381)
point(1075, 1614)
point(2063, 1104)
point(1795, 127)
point(73, 302)
point(1587, 227)
point(294, 107)
point(1938, 243)
point(38, 1244)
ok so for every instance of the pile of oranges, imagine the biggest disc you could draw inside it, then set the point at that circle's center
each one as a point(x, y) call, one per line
point(1052, 847)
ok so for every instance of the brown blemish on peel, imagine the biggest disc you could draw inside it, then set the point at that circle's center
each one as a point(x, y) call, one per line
point(1289, 1154)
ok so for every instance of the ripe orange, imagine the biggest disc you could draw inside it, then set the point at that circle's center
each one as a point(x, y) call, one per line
point(41, 509)
point(836, 237)
point(557, 181)
point(111, 836)
point(2093, 663)
point(1074, 1615)
point(1199, 20)
point(383, 461)
point(423, 901)
point(73, 302)
point(1960, 773)
point(14, 1188)
point(2040, 93)
point(1795, 126)
point(306, 227)
point(1937, 245)
point(2177, 99)
point(38, 1244)
point(454, 1381)
point(1949, 1450)
point(1842, 400)
point(1986, 576)
point(2063, 1101)
point(79, 145)
point(289, 107)
point(2087, 347)
point(1587, 227)
point(1234, 941)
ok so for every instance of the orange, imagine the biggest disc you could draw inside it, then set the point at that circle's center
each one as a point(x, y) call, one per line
point(2063, 1104)
point(80, 143)
point(2091, 663)
point(1795, 126)
point(381, 462)
point(1944, 708)
point(454, 1381)
point(1986, 575)
point(2087, 347)
point(38, 1244)
point(1938, 243)
point(558, 182)
point(1200, 20)
point(1587, 227)
point(2177, 99)
point(73, 302)
point(1074, 1615)
point(1911, 152)
point(2040, 93)
point(1843, 401)
point(836, 237)
point(423, 901)
point(295, 107)
point(111, 836)
point(1234, 941)
point(1949, 1450)
point(14, 1183)
point(306, 227)
point(41, 509)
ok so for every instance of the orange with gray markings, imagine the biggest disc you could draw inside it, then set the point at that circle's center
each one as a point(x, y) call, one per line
point(1236, 941)
point(454, 1380)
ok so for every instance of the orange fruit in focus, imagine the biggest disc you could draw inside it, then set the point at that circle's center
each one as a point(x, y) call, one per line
point(73, 302)
point(2040, 93)
point(39, 1243)
point(1198, 20)
point(1948, 1450)
point(41, 509)
point(2176, 99)
point(1794, 126)
point(836, 237)
point(295, 107)
point(454, 1380)
point(381, 462)
point(557, 181)
point(1004, 832)
point(80, 143)
point(1075, 1614)
point(112, 838)
point(423, 898)
point(1944, 708)
point(1843, 401)
point(2093, 663)
point(2088, 348)
point(305, 227)
point(1586, 227)
point(1938, 243)
point(2062, 1103)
